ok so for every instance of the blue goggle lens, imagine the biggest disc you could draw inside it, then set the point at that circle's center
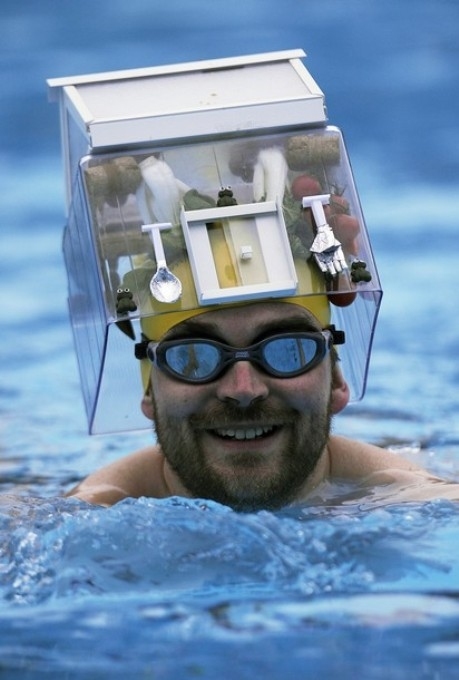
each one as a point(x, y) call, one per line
point(201, 360)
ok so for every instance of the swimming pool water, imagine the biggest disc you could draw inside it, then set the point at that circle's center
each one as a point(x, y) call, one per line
point(189, 589)
point(179, 588)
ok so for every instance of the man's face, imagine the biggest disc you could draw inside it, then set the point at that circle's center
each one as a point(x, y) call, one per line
point(246, 439)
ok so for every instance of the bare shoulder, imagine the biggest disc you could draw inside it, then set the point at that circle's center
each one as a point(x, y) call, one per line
point(135, 475)
point(398, 479)
point(355, 459)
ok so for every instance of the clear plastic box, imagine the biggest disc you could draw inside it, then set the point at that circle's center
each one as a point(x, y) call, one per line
point(213, 181)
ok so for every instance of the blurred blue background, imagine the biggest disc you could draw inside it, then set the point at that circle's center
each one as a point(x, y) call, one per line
point(390, 72)
point(112, 592)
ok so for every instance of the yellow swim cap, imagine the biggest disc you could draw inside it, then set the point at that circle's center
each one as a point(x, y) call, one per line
point(158, 318)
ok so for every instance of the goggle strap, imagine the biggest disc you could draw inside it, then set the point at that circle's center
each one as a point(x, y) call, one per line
point(338, 337)
point(140, 348)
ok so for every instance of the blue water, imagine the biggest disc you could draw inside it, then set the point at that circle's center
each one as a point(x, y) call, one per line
point(175, 589)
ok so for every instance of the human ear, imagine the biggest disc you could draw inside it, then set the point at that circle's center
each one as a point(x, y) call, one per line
point(147, 404)
point(340, 393)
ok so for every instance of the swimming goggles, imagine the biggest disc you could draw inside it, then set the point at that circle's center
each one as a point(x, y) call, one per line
point(201, 360)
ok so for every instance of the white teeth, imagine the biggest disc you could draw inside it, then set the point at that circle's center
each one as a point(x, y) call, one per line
point(249, 433)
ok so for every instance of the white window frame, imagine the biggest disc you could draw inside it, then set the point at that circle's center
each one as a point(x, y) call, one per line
point(273, 238)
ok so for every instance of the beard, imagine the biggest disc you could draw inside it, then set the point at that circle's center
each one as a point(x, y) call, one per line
point(250, 482)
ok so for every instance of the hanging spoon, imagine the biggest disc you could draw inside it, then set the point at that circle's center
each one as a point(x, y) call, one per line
point(164, 285)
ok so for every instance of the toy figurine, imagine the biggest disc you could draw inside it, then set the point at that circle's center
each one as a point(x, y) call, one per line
point(225, 197)
point(125, 301)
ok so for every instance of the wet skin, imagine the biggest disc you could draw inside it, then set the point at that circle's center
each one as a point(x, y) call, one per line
point(252, 441)
point(246, 439)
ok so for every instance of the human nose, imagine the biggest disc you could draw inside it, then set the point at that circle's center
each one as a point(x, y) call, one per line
point(242, 383)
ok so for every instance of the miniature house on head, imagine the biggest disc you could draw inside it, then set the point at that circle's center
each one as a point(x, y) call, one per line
point(195, 185)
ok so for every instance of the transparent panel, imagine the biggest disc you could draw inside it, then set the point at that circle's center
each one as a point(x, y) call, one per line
point(162, 232)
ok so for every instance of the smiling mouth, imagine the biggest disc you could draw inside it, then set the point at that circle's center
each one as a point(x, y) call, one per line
point(244, 433)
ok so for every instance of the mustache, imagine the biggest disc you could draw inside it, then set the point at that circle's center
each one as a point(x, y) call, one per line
point(221, 416)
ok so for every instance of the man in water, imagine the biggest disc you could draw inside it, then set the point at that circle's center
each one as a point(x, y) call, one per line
point(231, 238)
point(242, 433)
